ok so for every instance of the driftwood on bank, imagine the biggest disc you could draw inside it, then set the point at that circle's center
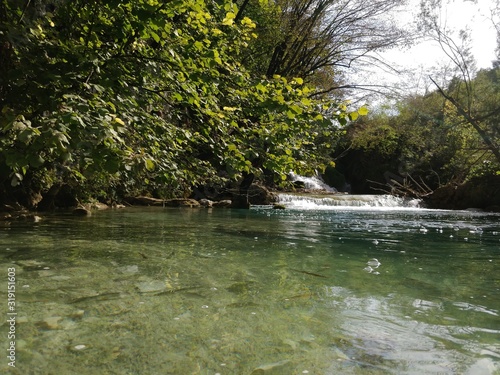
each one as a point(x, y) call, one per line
point(479, 193)
point(403, 187)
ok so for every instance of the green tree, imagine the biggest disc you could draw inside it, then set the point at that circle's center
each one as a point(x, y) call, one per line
point(319, 40)
point(465, 90)
point(126, 97)
point(423, 140)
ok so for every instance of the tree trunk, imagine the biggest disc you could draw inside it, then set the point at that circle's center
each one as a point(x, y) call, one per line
point(239, 15)
point(240, 199)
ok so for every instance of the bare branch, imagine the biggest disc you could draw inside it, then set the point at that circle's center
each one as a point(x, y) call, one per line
point(471, 121)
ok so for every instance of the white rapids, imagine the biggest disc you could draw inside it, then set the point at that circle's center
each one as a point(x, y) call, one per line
point(324, 197)
point(312, 183)
point(348, 201)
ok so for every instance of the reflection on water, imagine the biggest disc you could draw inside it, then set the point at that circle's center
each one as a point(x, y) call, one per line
point(168, 291)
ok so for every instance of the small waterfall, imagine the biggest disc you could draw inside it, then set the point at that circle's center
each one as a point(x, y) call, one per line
point(312, 183)
point(335, 201)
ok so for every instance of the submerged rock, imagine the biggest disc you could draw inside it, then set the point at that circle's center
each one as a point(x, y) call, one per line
point(33, 218)
point(10, 207)
point(81, 211)
point(51, 322)
point(151, 286)
point(373, 263)
point(78, 348)
point(78, 314)
point(270, 367)
point(130, 270)
point(5, 216)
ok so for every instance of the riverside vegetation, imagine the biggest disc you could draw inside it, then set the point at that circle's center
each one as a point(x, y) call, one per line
point(107, 100)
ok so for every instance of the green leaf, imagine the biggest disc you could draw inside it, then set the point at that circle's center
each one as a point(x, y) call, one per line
point(260, 87)
point(150, 165)
point(363, 111)
point(296, 109)
point(229, 19)
point(198, 45)
point(36, 160)
point(16, 179)
point(119, 121)
point(25, 135)
point(155, 36)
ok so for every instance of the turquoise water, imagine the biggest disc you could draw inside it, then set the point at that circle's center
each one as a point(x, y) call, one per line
point(341, 290)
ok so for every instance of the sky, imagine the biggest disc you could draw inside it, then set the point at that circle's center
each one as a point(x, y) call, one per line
point(420, 60)
point(457, 15)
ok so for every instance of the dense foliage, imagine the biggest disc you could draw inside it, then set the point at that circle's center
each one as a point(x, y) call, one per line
point(449, 135)
point(124, 97)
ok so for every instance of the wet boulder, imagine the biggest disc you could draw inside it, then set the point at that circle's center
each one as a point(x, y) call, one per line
point(222, 203)
point(260, 195)
point(145, 201)
point(181, 202)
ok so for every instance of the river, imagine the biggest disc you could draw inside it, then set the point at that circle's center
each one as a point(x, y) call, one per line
point(367, 285)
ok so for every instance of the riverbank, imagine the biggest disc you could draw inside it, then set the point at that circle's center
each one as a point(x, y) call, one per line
point(480, 193)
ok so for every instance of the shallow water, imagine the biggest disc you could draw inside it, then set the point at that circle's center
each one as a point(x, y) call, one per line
point(188, 291)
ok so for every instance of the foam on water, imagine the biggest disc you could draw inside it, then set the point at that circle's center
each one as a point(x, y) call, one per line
point(312, 183)
point(347, 201)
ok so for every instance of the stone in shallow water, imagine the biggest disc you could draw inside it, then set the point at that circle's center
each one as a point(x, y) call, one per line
point(223, 203)
point(22, 319)
point(51, 322)
point(129, 269)
point(78, 314)
point(60, 277)
point(151, 286)
point(78, 347)
point(373, 263)
point(269, 368)
point(206, 203)
point(293, 344)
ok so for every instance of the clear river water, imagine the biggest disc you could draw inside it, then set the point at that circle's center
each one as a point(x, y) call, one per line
point(351, 285)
